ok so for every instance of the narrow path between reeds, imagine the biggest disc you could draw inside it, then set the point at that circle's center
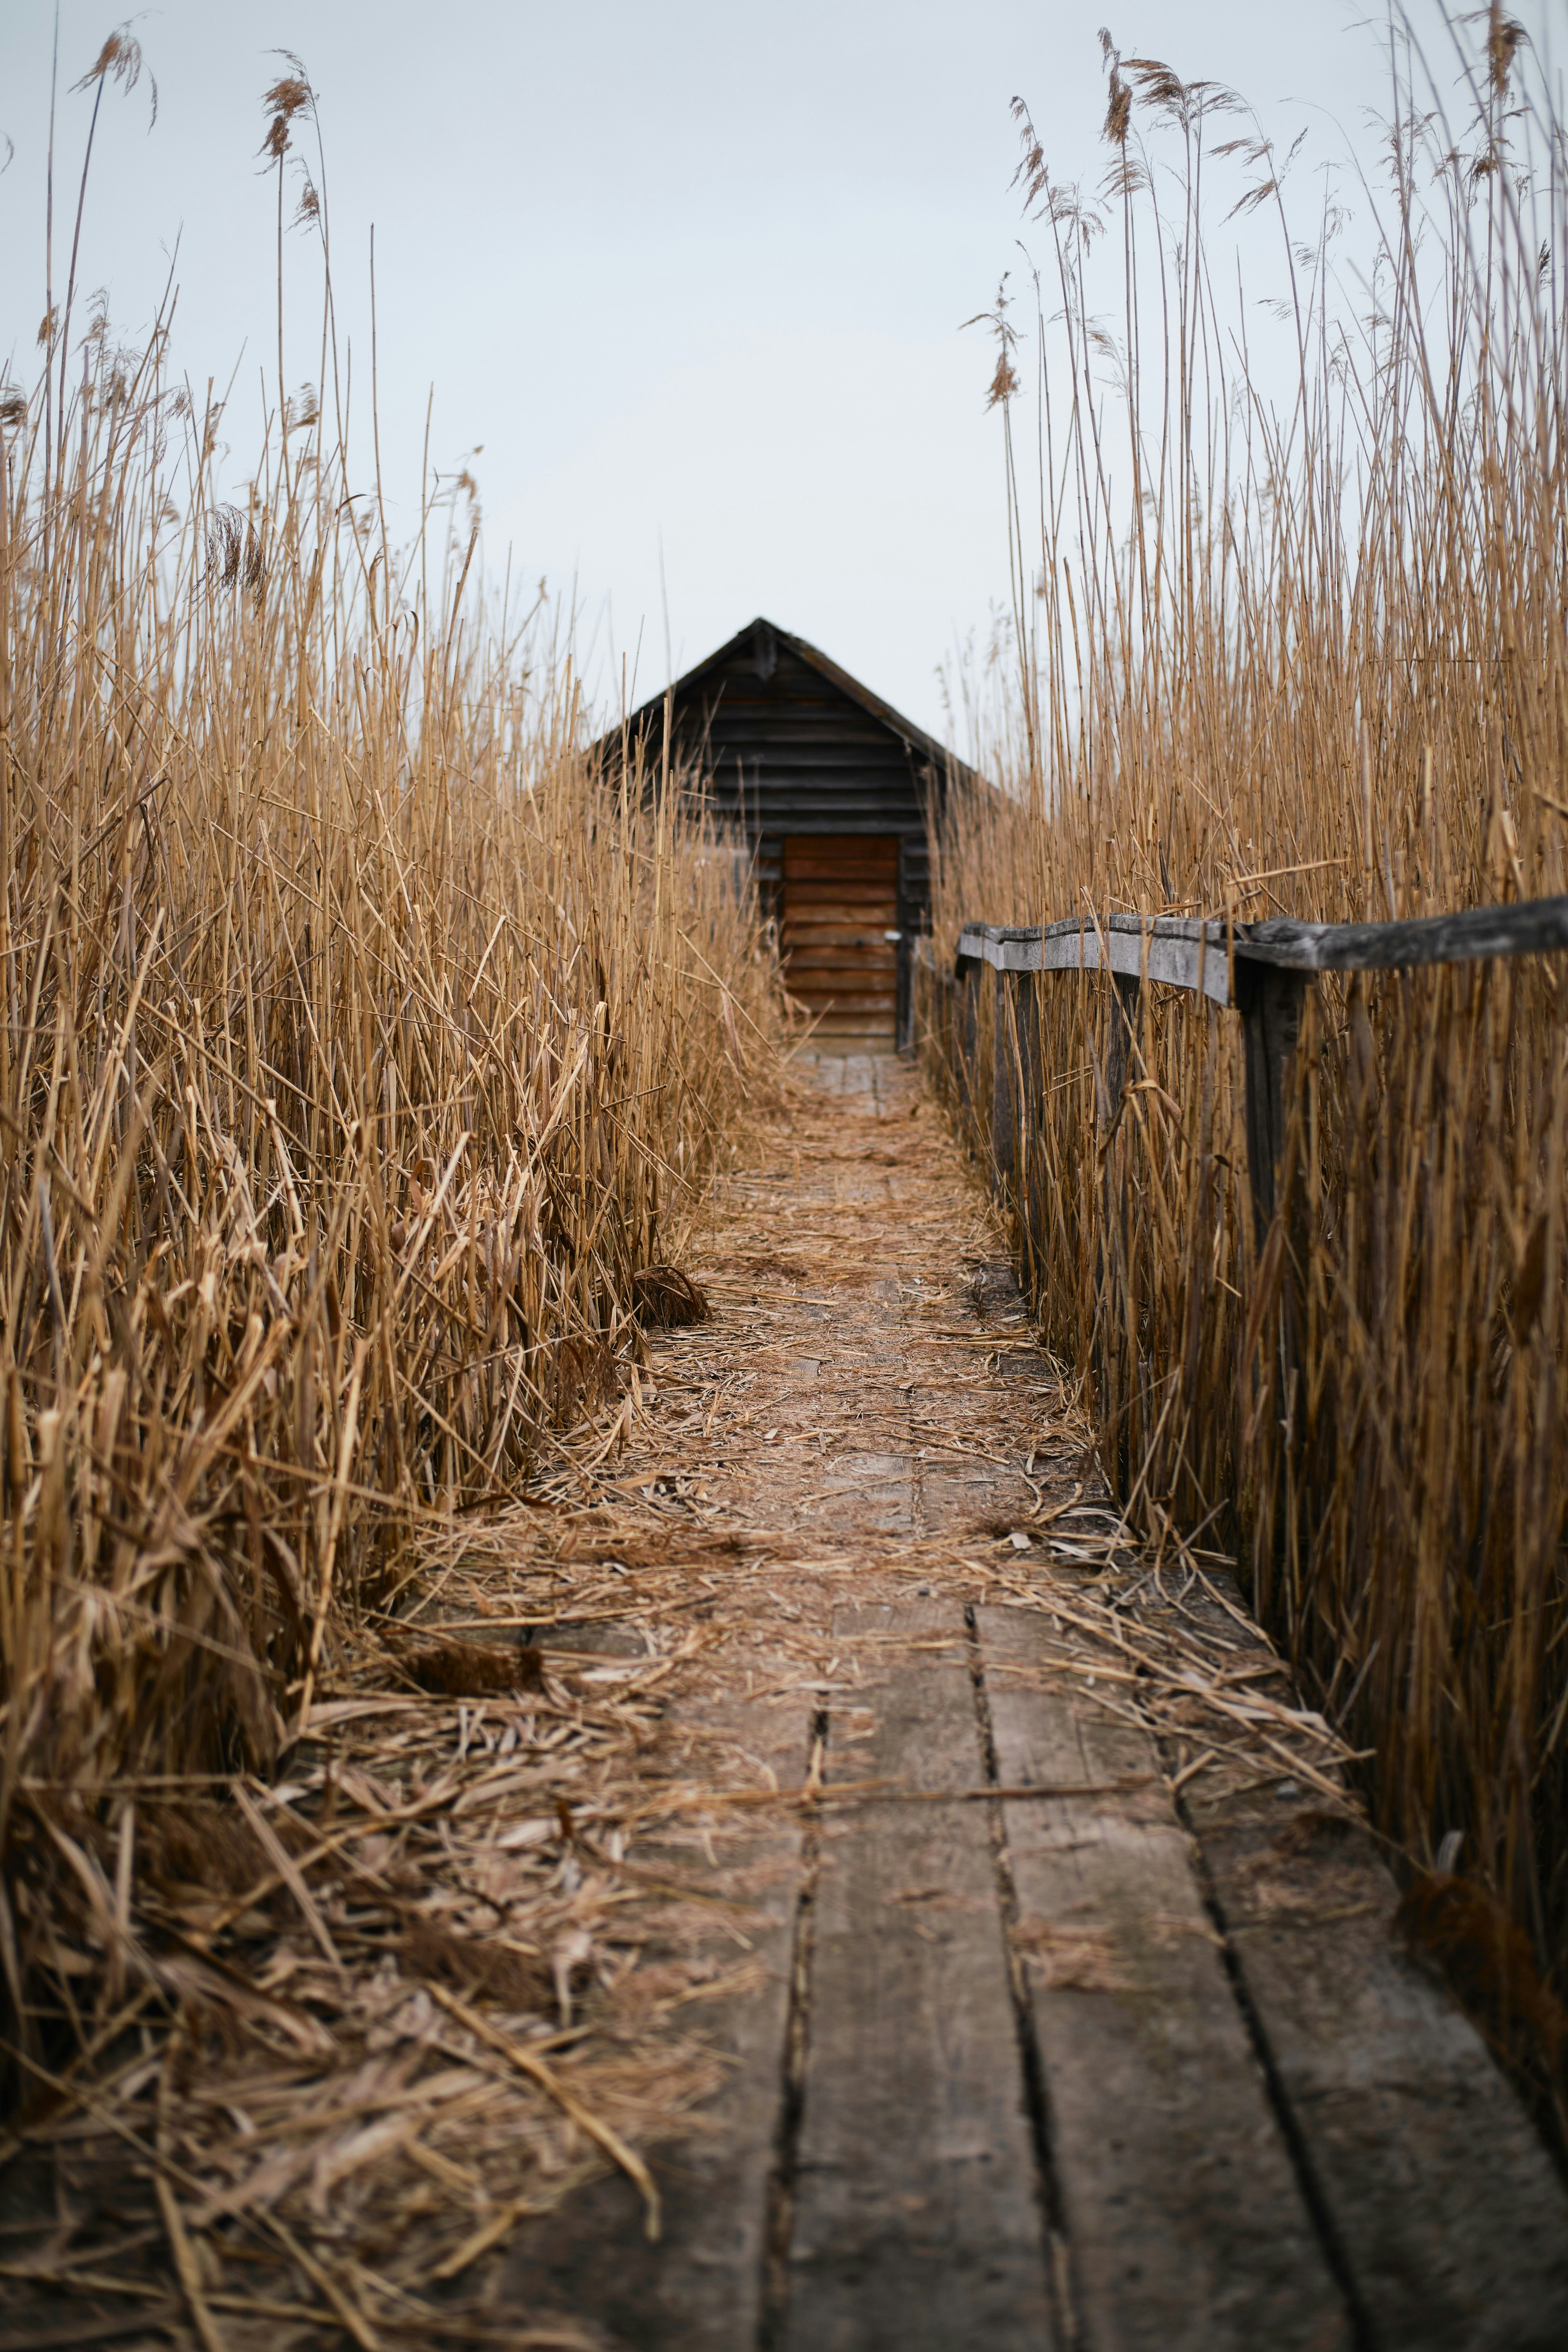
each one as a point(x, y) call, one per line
point(797, 1879)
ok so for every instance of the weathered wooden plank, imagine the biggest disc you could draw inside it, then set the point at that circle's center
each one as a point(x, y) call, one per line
point(700, 2288)
point(868, 983)
point(1453, 2221)
point(1192, 953)
point(865, 1495)
point(916, 2224)
point(1124, 1034)
point(848, 908)
point(825, 918)
point(826, 929)
point(966, 1036)
point(1187, 2223)
point(868, 964)
point(1004, 1081)
point(833, 985)
point(874, 963)
point(1528, 926)
point(850, 1017)
point(1270, 1004)
point(1184, 954)
point(966, 1504)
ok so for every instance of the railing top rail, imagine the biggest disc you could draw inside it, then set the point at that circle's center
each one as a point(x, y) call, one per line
point(1178, 949)
point(1188, 952)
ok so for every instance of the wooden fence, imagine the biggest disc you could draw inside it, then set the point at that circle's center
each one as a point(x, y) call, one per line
point(1261, 971)
point(996, 1054)
point(1270, 1249)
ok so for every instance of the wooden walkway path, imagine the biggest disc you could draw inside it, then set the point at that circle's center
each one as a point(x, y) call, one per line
point(1067, 2012)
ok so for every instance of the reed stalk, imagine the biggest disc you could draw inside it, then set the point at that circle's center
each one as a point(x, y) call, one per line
point(359, 1051)
point(1304, 653)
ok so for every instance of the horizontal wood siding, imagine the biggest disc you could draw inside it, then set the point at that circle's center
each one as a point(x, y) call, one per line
point(840, 902)
point(791, 754)
point(783, 749)
point(786, 748)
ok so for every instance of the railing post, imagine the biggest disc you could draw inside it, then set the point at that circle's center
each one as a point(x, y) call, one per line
point(1126, 1013)
point(1004, 1089)
point(1028, 1004)
point(1027, 1112)
point(1270, 1001)
point(1112, 1269)
point(968, 1037)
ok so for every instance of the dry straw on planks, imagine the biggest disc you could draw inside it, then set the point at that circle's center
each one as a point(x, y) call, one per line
point(1296, 646)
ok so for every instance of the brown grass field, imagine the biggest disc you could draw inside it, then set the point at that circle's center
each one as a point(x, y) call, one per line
point(1309, 658)
point(362, 1064)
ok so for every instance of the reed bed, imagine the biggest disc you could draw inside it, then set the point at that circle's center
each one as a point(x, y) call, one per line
point(1305, 653)
point(363, 1059)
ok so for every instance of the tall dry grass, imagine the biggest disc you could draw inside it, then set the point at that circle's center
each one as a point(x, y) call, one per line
point(358, 1053)
point(1304, 651)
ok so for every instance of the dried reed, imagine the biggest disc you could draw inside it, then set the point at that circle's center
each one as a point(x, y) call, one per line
point(1307, 656)
point(362, 1064)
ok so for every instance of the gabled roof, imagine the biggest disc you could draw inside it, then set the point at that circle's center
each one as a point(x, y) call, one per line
point(760, 638)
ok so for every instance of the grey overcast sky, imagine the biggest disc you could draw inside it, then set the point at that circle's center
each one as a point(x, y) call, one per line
point(692, 274)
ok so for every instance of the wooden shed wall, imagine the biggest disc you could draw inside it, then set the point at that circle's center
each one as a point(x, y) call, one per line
point(789, 753)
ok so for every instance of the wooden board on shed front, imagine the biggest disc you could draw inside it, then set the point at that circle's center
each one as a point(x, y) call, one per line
point(840, 902)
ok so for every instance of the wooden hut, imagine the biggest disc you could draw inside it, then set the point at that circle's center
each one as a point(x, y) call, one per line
point(831, 789)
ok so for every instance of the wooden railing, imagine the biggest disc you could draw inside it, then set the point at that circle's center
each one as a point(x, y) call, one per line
point(1262, 970)
point(1353, 1387)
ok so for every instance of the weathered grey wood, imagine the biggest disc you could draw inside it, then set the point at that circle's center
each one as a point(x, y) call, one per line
point(916, 2224)
point(700, 2288)
point(864, 1495)
point(1529, 927)
point(1112, 1256)
point(1270, 1006)
point(967, 1032)
point(1123, 1030)
point(1004, 1081)
point(1189, 2231)
point(1026, 1004)
point(1192, 953)
point(1186, 953)
point(1452, 2219)
point(1031, 1172)
point(946, 1012)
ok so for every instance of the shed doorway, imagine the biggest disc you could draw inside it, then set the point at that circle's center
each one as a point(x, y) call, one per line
point(841, 930)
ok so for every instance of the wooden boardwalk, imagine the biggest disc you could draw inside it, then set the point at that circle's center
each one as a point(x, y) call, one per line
point(1069, 2012)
